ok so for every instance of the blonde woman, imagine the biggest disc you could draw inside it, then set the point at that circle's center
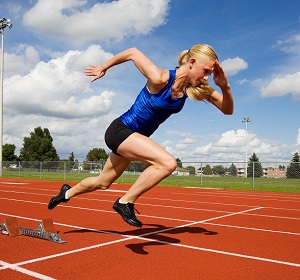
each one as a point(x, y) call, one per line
point(164, 94)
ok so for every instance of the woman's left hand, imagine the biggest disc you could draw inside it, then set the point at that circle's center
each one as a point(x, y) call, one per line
point(220, 77)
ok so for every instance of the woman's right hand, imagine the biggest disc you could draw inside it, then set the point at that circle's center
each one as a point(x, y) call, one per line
point(96, 71)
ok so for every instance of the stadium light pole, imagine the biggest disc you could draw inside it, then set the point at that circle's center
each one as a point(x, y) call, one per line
point(246, 120)
point(4, 22)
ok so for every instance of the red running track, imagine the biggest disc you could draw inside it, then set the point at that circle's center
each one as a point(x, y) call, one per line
point(188, 233)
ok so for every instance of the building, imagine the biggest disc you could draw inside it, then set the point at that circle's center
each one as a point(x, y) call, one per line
point(181, 172)
point(276, 172)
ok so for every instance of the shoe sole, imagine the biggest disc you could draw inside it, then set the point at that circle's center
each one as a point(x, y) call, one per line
point(125, 219)
point(52, 203)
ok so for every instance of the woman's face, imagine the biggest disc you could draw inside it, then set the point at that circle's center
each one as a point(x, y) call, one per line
point(200, 71)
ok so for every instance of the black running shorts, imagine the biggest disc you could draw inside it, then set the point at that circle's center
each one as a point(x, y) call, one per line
point(115, 134)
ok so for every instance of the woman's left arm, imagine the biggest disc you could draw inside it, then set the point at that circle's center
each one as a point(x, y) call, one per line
point(223, 101)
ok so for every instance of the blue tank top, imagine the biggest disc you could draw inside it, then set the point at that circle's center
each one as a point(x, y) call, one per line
point(150, 110)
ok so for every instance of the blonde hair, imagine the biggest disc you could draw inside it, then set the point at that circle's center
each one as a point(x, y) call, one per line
point(200, 52)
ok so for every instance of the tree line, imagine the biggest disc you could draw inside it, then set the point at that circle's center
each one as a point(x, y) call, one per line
point(38, 147)
point(254, 168)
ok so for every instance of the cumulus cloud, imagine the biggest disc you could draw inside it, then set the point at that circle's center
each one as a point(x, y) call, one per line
point(55, 88)
point(70, 20)
point(229, 147)
point(282, 85)
point(203, 149)
point(298, 138)
point(234, 65)
point(57, 95)
point(23, 60)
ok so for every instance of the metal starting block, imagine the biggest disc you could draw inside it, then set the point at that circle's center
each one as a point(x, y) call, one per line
point(45, 230)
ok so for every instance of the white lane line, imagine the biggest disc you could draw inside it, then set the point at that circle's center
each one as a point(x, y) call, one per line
point(24, 271)
point(13, 183)
point(150, 216)
point(74, 251)
point(143, 237)
point(258, 229)
point(245, 197)
point(158, 199)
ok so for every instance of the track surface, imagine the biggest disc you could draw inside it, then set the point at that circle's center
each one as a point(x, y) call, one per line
point(188, 233)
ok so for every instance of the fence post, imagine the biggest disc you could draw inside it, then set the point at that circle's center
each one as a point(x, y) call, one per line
point(201, 174)
point(41, 166)
point(64, 170)
point(253, 173)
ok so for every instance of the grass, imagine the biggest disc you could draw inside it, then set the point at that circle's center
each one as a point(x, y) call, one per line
point(226, 183)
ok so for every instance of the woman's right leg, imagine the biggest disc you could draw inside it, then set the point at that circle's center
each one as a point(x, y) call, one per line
point(113, 168)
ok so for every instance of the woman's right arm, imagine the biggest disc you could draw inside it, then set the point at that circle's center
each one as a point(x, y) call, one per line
point(153, 74)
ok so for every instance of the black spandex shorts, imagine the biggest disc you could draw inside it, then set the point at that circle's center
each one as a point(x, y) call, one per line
point(115, 134)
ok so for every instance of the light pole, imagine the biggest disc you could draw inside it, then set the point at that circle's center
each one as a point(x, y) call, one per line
point(4, 22)
point(246, 120)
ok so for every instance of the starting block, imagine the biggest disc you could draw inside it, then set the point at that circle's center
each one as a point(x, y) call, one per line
point(45, 230)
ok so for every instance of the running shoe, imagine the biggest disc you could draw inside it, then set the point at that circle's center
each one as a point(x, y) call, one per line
point(54, 201)
point(127, 213)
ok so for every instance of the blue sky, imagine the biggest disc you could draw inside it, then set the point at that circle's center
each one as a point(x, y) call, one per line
point(258, 44)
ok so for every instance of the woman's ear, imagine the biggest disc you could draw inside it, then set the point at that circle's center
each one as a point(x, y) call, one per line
point(192, 62)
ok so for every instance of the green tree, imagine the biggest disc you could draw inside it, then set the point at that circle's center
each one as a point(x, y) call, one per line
point(38, 146)
point(8, 152)
point(96, 155)
point(191, 169)
point(232, 170)
point(218, 170)
point(137, 166)
point(258, 170)
point(179, 163)
point(207, 170)
point(293, 169)
point(71, 160)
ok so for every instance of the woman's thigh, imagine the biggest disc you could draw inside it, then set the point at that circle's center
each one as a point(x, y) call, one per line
point(141, 148)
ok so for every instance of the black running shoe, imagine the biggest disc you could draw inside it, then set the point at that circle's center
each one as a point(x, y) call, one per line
point(127, 213)
point(54, 201)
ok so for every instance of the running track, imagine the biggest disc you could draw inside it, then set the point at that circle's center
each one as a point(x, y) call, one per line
point(188, 233)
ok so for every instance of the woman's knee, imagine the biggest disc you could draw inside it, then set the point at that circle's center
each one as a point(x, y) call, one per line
point(101, 184)
point(169, 164)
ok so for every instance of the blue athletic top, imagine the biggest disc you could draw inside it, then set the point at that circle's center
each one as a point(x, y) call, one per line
point(150, 110)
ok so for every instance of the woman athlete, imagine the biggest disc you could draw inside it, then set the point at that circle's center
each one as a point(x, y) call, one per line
point(164, 94)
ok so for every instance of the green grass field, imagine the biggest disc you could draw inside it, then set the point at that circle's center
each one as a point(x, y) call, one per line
point(227, 183)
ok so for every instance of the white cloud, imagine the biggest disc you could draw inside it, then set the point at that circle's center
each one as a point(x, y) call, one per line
point(70, 20)
point(241, 82)
point(298, 138)
point(233, 138)
point(57, 95)
point(290, 45)
point(233, 65)
point(55, 88)
point(21, 61)
point(282, 85)
point(231, 147)
point(181, 146)
point(204, 149)
point(287, 81)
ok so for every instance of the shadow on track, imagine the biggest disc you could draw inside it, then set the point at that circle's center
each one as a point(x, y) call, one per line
point(153, 232)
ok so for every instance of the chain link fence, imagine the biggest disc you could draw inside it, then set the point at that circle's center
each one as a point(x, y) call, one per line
point(271, 176)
